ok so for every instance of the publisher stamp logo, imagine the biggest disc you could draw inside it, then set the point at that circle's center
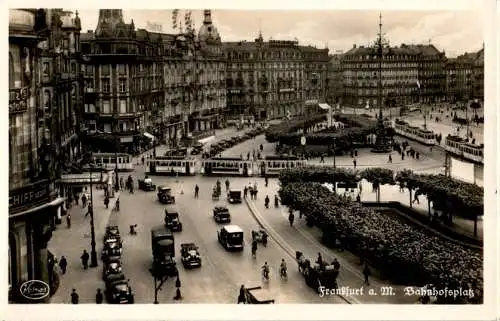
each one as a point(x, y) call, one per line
point(34, 290)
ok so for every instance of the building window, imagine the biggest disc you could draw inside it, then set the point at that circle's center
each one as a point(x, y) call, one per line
point(105, 85)
point(105, 70)
point(121, 69)
point(73, 68)
point(123, 106)
point(123, 85)
point(89, 70)
point(46, 69)
point(123, 126)
point(107, 128)
point(92, 126)
point(105, 107)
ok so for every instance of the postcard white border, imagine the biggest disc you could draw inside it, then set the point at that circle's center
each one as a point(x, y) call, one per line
point(290, 311)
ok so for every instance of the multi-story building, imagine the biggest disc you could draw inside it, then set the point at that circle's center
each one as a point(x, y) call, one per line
point(273, 79)
point(139, 82)
point(33, 143)
point(60, 88)
point(410, 74)
point(465, 77)
point(478, 76)
point(335, 88)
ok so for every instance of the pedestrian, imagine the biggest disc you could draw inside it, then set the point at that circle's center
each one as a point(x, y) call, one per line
point(84, 200)
point(89, 209)
point(336, 264)
point(322, 160)
point(241, 296)
point(403, 156)
point(390, 159)
point(99, 297)
point(355, 153)
point(76, 197)
point(366, 273)
point(415, 199)
point(85, 259)
point(178, 295)
point(63, 264)
point(106, 201)
point(261, 147)
point(117, 205)
point(245, 192)
point(74, 297)
point(358, 198)
point(354, 163)
point(121, 183)
point(266, 180)
point(196, 191)
point(68, 220)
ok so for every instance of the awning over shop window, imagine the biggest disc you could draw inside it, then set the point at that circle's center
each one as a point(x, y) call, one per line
point(324, 106)
point(148, 135)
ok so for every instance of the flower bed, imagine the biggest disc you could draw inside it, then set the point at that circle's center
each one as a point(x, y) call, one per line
point(398, 249)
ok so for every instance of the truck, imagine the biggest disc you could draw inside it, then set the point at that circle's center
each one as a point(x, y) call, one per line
point(163, 248)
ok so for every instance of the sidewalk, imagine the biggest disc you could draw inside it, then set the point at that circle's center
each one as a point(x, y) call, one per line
point(71, 243)
point(306, 239)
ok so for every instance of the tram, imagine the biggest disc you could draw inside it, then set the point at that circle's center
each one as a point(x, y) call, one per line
point(273, 165)
point(172, 165)
point(460, 147)
point(227, 166)
point(420, 135)
point(111, 161)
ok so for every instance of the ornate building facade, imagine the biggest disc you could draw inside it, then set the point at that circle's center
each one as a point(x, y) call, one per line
point(465, 77)
point(273, 79)
point(33, 145)
point(139, 82)
point(335, 87)
point(410, 74)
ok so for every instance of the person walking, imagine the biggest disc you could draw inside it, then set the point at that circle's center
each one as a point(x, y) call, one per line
point(390, 159)
point(196, 191)
point(106, 201)
point(63, 264)
point(366, 273)
point(68, 220)
point(84, 200)
point(85, 259)
point(241, 296)
point(99, 297)
point(354, 163)
point(89, 209)
point(178, 295)
point(74, 297)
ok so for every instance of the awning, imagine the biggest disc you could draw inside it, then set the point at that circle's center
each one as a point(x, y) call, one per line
point(58, 201)
point(324, 106)
point(148, 135)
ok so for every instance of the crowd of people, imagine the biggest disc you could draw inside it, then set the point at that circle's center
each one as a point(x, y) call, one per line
point(399, 249)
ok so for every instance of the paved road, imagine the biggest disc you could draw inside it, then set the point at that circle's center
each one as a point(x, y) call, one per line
point(217, 281)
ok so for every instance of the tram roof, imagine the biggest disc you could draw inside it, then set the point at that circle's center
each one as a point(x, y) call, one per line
point(225, 159)
point(173, 158)
point(109, 154)
point(281, 157)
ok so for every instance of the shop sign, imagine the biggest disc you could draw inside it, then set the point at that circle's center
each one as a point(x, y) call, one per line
point(31, 195)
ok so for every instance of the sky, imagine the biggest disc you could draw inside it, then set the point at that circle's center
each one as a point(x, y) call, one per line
point(455, 32)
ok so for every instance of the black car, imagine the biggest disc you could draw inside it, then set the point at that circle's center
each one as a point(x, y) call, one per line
point(234, 196)
point(146, 186)
point(111, 251)
point(112, 267)
point(221, 214)
point(112, 232)
point(172, 221)
point(190, 257)
point(118, 290)
point(165, 195)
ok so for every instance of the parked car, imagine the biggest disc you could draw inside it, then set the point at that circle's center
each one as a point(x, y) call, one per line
point(111, 267)
point(118, 290)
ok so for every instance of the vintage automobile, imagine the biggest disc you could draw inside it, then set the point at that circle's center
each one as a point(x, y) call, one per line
point(118, 290)
point(112, 232)
point(112, 267)
point(165, 195)
point(111, 251)
point(258, 295)
point(221, 214)
point(146, 186)
point(163, 247)
point(231, 237)
point(234, 196)
point(172, 221)
point(190, 257)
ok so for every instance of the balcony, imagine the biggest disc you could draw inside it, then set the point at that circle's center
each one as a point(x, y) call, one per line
point(18, 100)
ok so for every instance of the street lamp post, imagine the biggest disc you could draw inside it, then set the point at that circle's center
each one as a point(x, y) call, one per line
point(117, 146)
point(93, 253)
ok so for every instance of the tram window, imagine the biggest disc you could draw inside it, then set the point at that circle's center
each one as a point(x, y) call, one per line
point(292, 165)
point(105, 161)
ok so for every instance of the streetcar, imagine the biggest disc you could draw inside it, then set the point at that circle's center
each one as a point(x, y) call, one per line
point(460, 147)
point(227, 166)
point(111, 161)
point(420, 135)
point(273, 165)
point(172, 165)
